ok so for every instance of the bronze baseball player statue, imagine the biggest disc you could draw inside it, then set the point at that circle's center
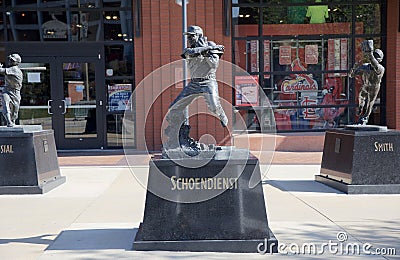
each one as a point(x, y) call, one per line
point(371, 73)
point(202, 59)
point(11, 93)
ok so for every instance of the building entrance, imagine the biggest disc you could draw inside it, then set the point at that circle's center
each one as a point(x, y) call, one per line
point(65, 91)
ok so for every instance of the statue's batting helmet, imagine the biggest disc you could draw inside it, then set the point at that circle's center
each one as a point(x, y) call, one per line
point(194, 29)
point(15, 57)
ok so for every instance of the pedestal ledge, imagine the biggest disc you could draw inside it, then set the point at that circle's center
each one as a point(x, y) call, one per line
point(366, 128)
point(22, 128)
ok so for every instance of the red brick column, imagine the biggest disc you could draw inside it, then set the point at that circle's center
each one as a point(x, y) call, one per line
point(392, 56)
point(161, 43)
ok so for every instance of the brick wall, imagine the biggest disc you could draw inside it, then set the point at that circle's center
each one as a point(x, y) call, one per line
point(393, 66)
point(160, 43)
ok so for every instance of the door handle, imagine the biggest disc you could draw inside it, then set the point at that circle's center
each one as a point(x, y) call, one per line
point(65, 107)
point(49, 106)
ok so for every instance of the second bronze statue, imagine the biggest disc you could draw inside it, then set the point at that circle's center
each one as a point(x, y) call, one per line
point(371, 73)
point(11, 93)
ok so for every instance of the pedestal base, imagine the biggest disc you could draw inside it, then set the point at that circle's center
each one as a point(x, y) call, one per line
point(359, 189)
point(361, 159)
point(209, 245)
point(39, 189)
point(28, 160)
point(217, 206)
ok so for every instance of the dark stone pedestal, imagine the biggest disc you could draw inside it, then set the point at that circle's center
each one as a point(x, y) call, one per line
point(361, 160)
point(28, 160)
point(214, 205)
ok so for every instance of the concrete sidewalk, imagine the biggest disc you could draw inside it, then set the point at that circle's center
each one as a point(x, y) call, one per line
point(96, 213)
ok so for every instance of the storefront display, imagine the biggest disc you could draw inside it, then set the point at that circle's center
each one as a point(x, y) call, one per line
point(303, 65)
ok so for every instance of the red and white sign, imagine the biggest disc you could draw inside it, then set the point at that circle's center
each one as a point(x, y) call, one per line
point(285, 55)
point(310, 113)
point(337, 56)
point(267, 56)
point(299, 82)
point(343, 55)
point(254, 56)
point(311, 54)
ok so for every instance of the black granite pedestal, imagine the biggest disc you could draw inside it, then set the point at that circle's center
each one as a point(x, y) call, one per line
point(28, 160)
point(362, 160)
point(214, 205)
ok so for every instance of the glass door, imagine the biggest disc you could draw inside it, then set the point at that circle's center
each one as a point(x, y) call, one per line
point(36, 93)
point(79, 97)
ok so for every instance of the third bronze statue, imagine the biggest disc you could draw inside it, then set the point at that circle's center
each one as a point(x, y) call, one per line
point(371, 73)
point(202, 57)
point(11, 93)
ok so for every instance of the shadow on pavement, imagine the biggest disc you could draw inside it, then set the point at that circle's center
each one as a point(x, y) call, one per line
point(94, 239)
point(301, 186)
point(40, 240)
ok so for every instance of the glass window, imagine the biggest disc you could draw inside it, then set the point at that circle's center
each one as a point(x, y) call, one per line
point(52, 3)
point(85, 26)
point(303, 57)
point(23, 26)
point(119, 60)
point(118, 26)
point(296, 14)
point(117, 3)
point(114, 130)
point(21, 2)
point(275, 15)
point(54, 26)
point(340, 13)
point(247, 55)
point(245, 21)
point(1, 28)
point(306, 20)
point(368, 18)
point(84, 3)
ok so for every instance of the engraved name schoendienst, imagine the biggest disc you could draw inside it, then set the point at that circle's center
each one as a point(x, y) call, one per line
point(211, 183)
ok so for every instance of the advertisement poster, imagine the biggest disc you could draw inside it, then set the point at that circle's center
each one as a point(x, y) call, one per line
point(285, 55)
point(246, 90)
point(254, 56)
point(267, 58)
point(311, 53)
point(118, 97)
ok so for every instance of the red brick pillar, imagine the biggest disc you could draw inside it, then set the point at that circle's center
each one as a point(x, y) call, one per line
point(392, 56)
point(159, 44)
